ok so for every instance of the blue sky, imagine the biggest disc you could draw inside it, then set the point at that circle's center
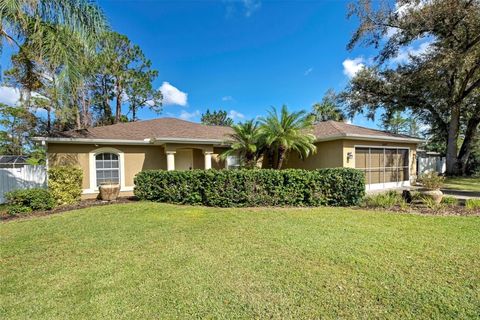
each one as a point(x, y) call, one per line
point(241, 56)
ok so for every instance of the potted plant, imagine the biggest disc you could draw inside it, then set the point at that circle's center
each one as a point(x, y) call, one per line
point(432, 182)
point(109, 191)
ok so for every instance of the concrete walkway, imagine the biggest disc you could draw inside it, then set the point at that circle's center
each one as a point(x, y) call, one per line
point(459, 194)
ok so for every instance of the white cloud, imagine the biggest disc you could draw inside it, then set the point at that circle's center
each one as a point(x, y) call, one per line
point(235, 115)
point(173, 96)
point(227, 98)
point(9, 95)
point(248, 7)
point(404, 8)
point(390, 32)
point(404, 54)
point(251, 6)
point(308, 71)
point(184, 115)
point(352, 66)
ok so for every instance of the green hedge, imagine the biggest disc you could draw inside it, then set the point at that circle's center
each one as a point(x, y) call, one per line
point(28, 200)
point(262, 187)
point(65, 184)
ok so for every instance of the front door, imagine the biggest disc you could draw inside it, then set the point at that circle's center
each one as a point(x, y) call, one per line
point(184, 159)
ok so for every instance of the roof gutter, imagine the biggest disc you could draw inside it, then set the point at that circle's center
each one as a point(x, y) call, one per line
point(353, 136)
point(89, 141)
point(147, 141)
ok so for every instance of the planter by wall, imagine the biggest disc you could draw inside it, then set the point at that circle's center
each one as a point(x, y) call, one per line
point(109, 192)
point(436, 194)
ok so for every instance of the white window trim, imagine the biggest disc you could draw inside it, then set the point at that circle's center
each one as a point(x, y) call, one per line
point(387, 185)
point(92, 168)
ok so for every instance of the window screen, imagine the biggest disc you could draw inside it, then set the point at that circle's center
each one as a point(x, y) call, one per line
point(382, 165)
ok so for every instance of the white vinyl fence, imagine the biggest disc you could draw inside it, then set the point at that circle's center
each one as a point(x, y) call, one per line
point(429, 164)
point(22, 178)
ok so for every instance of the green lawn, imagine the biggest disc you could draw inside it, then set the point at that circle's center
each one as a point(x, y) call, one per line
point(463, 183)
point(147, 260)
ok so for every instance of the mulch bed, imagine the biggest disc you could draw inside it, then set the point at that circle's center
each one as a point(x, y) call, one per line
point(79, 205)
point(412, 209)
point(453, 210)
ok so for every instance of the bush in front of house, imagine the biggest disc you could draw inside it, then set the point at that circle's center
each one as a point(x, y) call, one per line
point(259, 187)
point(432, 180)
point(25, 201)
point(65, 184)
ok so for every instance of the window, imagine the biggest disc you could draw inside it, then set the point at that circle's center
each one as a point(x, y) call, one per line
point(233, 162)
point(107, 168)
point(382, 165)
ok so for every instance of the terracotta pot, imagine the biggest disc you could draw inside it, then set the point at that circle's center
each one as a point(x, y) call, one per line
point(436, 195)
point(109, 192)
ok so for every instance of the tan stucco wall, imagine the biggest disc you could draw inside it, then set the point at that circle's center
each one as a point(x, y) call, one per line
point(349, 146)
point(137, 158)
point(329, 155)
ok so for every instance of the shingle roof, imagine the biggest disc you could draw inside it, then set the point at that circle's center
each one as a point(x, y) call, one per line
point(332, 129)
point(155, 128)
point(176, 129)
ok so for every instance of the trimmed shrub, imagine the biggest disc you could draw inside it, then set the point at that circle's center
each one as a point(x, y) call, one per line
point(65, 184)
point(27, 200)
point(259, 187)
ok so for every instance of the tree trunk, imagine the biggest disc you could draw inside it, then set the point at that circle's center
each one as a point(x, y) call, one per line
point(281, 156)
point(77, 116)
point(134, 108)
point(49, 120)
point(452, 148)
point(107, 111)
point(118, 109)
point(470, 134)
point(269, 156)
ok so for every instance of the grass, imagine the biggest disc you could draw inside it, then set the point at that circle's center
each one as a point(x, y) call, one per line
point(148, 260)
point(463, 183)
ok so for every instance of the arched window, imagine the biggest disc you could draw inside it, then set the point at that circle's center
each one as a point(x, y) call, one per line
point(107, 169)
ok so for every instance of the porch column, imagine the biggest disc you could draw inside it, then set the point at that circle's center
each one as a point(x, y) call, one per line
point(208, 159)
point(170, 160)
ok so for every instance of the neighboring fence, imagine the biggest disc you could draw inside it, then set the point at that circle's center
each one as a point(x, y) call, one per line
point(22, 178)
point(430, 162)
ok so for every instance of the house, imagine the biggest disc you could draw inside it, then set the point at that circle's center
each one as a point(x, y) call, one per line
point(116, 153)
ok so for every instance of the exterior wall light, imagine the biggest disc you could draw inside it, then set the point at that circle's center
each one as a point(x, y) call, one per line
point(349, 156)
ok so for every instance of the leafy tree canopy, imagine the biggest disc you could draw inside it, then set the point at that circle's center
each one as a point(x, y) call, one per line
point(441, 86)
point(328, 109)
point(216, 118)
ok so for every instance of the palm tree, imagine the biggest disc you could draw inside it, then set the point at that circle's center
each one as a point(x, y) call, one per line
point(287, 132)
point(26, 19)
point(328, 109)
point(245, 141)
point(53, 37)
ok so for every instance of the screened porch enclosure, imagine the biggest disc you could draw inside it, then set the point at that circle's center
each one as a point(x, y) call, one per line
point(383, 167)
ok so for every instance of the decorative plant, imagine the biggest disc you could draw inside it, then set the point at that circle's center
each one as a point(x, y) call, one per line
point(432, 180)
point(65, 184)
point(24, 201)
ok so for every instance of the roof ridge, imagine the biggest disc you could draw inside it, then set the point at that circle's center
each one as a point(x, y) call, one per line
point(381, 131)
point(334, 125)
